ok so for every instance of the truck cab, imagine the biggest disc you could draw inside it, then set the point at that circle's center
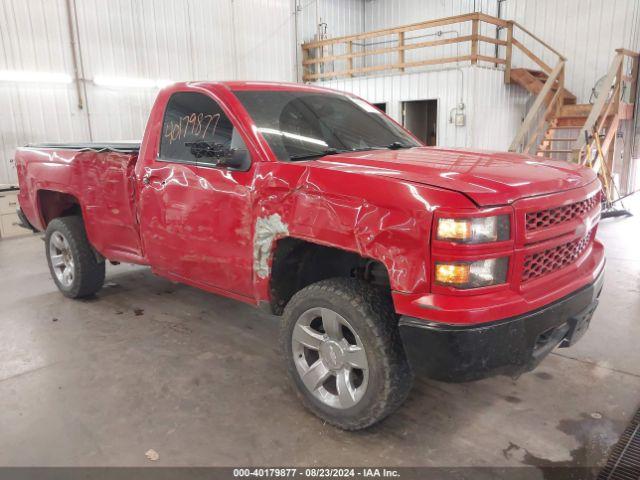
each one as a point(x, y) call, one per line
point(383, 256)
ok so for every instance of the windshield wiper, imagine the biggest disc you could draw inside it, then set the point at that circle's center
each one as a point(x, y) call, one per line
point(307, 156)
point(334, 151)
point(398, 145)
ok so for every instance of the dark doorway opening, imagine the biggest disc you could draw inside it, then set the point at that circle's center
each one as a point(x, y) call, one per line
point(381, 106)
point(420, 117)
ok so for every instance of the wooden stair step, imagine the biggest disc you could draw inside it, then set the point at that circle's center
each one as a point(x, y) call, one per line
point(559, 139)
point(573, 123)
point(554, 151)
point(578, 110)
point(534, 80)
point(539, 74)
point(564, 127)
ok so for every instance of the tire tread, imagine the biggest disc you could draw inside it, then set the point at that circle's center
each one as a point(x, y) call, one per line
point(376, 308)
point(89, 271)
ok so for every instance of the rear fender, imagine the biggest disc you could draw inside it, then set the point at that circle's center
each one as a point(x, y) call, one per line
point(52, 204)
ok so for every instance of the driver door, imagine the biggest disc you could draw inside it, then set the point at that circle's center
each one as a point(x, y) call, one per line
point(197, 219)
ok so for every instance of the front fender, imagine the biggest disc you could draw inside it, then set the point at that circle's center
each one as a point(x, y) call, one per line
point(384, 219)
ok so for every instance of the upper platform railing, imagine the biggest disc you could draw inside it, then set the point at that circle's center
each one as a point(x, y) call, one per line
point(351, 55)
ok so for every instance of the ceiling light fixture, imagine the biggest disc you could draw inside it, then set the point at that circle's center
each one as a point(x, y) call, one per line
point(22, 76)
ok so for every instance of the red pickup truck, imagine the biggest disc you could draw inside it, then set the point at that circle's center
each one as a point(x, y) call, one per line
point(383, 256)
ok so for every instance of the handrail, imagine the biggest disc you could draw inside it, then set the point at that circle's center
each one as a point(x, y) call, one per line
point(541, 122)
point(398, 65)
point(605, 115)
point(531, 55)
point(315, 59)
point(596, 110)
point(388, 31)
point(556, 74)
point(379, 51)
point(539, 40)
point(628, 53)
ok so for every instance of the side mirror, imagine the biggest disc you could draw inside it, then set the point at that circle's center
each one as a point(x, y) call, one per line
point(240, 159)
point(235, 158)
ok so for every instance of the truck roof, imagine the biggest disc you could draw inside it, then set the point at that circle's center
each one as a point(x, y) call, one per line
point(256, 85)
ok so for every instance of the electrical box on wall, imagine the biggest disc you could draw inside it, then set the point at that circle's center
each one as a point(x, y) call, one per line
point(457, 116)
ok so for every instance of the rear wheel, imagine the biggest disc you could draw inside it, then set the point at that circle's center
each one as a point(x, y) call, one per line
point(344, 353)
point(72, 262)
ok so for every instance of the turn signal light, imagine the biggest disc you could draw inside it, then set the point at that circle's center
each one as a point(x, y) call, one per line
point(452, 273)
point(480, 273)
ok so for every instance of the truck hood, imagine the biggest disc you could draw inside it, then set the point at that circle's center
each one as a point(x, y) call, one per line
point(487, 178)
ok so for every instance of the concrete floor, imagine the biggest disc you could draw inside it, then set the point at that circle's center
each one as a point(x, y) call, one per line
point(198, 378)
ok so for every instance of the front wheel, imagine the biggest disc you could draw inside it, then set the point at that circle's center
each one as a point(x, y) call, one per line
point(72, 262)
point(344, 354)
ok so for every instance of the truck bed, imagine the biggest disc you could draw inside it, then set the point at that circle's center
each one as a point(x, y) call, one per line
point(98, 176)
point(122, 147)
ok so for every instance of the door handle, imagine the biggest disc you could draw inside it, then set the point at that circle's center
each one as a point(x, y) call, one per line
point(146, 180)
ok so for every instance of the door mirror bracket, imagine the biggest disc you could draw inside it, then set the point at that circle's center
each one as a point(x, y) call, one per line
point(234, 158)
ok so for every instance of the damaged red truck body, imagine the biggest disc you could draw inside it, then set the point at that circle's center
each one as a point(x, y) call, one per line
point(382, 255)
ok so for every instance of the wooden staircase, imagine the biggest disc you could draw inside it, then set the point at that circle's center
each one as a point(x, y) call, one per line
point(563, 125)
point(562, 131)
point(559, 128)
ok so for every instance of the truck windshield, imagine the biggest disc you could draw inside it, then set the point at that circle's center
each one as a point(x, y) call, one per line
point(306, 125)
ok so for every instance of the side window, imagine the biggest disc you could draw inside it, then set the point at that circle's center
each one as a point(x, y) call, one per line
point(196, 130)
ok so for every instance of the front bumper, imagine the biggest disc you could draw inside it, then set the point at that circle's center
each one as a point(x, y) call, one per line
point(458, 353)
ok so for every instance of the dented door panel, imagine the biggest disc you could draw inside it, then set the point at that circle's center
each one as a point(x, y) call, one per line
point(109, 202)
point(166, 205)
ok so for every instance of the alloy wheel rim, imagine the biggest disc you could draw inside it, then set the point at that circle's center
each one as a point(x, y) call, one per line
point(61, 259)
point(330, 358)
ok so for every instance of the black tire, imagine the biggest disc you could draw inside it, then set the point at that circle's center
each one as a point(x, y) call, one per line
point(88, 272)
point(370, 312)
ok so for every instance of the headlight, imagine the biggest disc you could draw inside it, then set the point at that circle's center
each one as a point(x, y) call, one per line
point(474, 230)
point(465, 275)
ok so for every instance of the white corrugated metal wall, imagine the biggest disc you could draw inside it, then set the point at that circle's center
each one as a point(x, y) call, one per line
point(145, 39)
point(493, 110)
point(34, 37)
point(586, 32)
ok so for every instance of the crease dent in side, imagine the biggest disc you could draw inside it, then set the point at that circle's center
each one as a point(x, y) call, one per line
point(268, 229)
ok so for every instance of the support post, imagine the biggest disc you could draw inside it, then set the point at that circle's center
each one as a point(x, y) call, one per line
point(635, 73)
point(305, 68)
point(509, 51)
point(619, 81)
point(560, 101)
point(401, 50)
point(474, 41)
point(74, 55)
